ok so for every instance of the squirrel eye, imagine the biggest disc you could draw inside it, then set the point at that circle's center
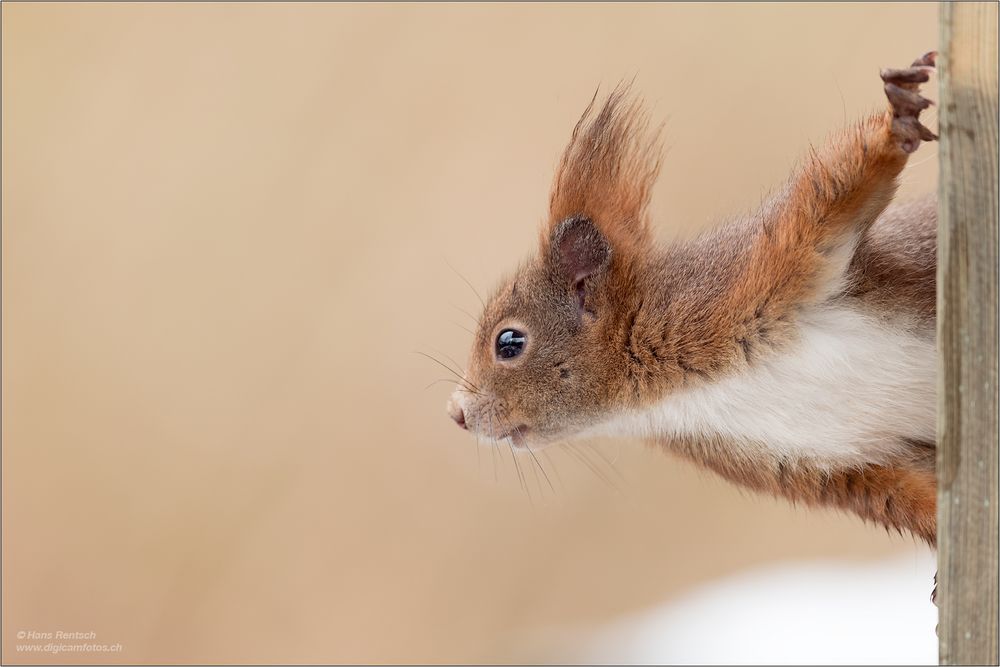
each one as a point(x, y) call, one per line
point(510, 343)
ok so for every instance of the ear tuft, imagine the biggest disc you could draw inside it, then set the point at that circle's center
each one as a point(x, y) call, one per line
point(579, 249)
point(608, 169)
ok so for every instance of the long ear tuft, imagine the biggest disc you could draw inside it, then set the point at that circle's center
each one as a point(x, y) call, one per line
point(608, 169)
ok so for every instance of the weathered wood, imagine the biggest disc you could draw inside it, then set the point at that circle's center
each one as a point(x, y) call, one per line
point(967, 336)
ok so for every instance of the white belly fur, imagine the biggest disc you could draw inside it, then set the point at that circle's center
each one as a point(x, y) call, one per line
point(844, 393)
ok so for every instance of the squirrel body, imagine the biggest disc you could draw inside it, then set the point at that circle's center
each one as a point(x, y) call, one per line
point(792, 350)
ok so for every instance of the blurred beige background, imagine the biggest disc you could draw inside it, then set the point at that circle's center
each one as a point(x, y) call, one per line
point(227, 227)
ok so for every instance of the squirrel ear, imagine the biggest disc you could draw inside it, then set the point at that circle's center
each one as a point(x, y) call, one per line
point(579, 249)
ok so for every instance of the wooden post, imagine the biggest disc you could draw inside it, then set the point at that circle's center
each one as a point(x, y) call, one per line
point(967, 336)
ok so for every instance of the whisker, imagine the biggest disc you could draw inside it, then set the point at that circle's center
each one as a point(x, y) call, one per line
point(493, 452)
point(496, 444)
point(463, 388)
point(440, 363)
point(459, 366)
point(537, 464)
point(538, 481)
point(618, 452)
point(600, 454)
point(571, 448)
point(541, 468)
point(524, 474)
point(479, 461)
point(460, 326)
point(520, 473)
point(517, 468)
point(447, 368)
point(466, 281)
point(493, 455)
point(461, 369)
point(555, 470)
point(465, 312)
point(535, 459)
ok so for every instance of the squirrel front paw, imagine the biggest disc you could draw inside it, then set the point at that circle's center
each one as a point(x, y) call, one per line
point(902, 87)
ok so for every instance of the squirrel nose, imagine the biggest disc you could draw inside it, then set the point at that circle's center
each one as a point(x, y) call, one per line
point(459, 416)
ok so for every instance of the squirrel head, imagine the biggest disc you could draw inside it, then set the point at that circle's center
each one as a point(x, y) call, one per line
point(543, 364)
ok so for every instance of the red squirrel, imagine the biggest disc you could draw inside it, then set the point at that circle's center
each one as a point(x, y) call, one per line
point(792, 351)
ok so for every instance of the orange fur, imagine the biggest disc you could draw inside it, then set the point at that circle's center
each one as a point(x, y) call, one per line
point(899, 495)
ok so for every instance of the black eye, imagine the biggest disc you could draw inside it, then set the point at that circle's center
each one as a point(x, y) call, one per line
point(510, 343)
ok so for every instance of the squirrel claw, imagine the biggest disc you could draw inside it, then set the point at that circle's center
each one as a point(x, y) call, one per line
point(902, 88)
point(929, 59)
point(908, 75)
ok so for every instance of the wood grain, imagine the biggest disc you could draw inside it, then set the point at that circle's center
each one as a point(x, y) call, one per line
point(967, 336)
